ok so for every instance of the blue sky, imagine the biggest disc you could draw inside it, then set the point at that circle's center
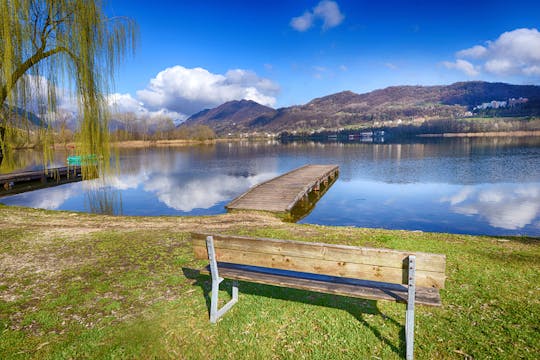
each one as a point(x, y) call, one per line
point(197, 54)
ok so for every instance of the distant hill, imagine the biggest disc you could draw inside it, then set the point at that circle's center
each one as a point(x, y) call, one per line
point(20, 116)
point(407, 104)
point(233, 116)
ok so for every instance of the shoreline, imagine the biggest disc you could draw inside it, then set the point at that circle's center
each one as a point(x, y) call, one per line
point(161, 143)
point(133, 144)
point(151, 143)
point(485, 134)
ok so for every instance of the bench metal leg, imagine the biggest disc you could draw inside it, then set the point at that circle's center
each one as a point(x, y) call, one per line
point(409, 316)
point(216, 313)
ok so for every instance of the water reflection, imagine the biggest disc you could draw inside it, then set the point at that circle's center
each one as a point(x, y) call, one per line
point(504, 206)
point(203, 192)
point(105, 197)
point(103, 200)
point(474, 186)
point(160, 181)
point(52, 199)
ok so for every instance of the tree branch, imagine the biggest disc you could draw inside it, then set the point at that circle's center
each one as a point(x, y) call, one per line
point(25, 66)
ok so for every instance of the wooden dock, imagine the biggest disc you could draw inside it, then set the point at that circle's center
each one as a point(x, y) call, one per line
point(24, 181)
point(282, 193)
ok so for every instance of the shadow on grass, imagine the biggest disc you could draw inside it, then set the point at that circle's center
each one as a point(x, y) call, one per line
point(354, 306)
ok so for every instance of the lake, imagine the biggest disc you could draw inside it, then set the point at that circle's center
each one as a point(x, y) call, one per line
point(471, 186)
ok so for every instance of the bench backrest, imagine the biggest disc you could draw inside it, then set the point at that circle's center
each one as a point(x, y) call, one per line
point(383, 265)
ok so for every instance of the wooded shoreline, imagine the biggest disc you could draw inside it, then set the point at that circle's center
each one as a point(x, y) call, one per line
point(186, 142)
point(486, 134)
point(154, 143)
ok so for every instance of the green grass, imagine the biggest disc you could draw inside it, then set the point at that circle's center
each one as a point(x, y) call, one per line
point(124, 292)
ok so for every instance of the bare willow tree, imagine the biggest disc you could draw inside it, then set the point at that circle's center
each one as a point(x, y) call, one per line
point(72, 46)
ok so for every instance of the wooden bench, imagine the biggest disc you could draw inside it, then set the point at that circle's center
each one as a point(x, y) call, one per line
point(370, 273)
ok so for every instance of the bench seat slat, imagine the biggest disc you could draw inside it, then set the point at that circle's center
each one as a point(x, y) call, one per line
point(326, 284)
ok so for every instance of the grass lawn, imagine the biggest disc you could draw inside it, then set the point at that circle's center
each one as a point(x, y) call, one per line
point(86, 286)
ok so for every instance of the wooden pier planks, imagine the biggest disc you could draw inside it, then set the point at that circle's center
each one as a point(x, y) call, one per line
point(19, 182)
point(280, 194)
point(39, 174)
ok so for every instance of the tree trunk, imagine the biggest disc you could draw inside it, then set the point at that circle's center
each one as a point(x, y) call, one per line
point(2, 134)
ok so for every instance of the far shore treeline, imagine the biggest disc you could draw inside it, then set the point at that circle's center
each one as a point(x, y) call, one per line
point(395, 113)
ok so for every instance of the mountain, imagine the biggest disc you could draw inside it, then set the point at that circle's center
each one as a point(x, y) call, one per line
point(21, 117)
point(473, 93)
point(233, 116)
point(384, 107)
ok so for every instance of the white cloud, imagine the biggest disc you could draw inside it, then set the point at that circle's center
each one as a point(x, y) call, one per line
point(475, 52)
point(462, 65)
point(532, 70)
point(158, 114)
point(499, 66)
point(515, 52)
point(391, 66)
point(327, 11)
point(303, 22)
point(188, 91)
point(125, 103)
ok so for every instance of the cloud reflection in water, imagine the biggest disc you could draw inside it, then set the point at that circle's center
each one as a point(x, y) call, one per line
point(173, 190)
point(502, 205)
point(52, 199)
point(201, 192)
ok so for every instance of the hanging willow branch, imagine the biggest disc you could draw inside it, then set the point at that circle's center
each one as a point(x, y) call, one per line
point(71, 45)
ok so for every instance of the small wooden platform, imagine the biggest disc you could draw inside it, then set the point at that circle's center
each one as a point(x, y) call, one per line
point(281, 194)
point(24, 181)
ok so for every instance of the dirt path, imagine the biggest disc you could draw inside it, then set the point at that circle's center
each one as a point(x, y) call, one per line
point(70, 221)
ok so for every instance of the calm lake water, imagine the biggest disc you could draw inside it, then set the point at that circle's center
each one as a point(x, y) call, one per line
point(472, 186)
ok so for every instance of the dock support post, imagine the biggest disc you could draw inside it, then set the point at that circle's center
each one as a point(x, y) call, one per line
point(216, 313)
point(409, 317)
